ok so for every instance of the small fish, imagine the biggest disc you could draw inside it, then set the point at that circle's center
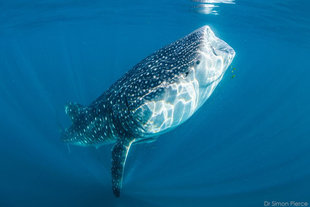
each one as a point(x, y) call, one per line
point(233, 70)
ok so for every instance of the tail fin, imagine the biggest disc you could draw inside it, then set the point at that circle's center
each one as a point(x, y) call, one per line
point(75, 111)
point(78, 115)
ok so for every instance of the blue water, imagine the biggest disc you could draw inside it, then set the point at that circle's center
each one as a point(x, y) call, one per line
point(248, 144)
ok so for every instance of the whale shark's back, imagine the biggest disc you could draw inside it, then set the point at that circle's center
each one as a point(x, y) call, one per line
point(147, 80)
point(160, 67)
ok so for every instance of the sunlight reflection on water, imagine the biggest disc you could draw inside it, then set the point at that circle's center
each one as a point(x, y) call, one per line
point(209, 6)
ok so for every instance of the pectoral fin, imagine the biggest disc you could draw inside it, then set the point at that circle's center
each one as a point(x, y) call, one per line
point(144, 141)
point(119, 155)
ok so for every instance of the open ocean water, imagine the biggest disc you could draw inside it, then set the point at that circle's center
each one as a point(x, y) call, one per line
point(247, 146)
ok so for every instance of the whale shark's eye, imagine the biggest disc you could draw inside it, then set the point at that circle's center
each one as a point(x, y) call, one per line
point(197, 62)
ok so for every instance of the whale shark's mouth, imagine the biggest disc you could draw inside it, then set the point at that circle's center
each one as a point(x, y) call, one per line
point(218, 47)
point(215, 56)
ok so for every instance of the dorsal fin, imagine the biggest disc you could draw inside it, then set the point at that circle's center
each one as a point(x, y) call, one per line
point(75, 110)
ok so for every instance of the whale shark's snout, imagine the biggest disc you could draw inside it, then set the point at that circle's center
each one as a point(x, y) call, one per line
point(219, 46)
point(215, 56)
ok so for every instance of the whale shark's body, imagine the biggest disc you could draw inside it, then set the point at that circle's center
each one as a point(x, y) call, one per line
point(155, 96)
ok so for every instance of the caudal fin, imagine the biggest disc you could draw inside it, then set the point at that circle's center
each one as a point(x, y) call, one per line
point(79, 115)
point(75, 110)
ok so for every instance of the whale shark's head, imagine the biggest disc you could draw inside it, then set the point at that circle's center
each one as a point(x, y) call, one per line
point(214, 56)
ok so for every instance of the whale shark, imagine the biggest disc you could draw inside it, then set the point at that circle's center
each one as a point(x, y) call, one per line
point(158, 94)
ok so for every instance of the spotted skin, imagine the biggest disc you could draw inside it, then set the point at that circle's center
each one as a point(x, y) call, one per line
point(158, 94)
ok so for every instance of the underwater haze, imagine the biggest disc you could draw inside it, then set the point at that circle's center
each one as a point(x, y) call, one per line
point(247, 146)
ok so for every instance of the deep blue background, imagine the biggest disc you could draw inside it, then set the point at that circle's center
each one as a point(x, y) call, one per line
point(248, 144)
